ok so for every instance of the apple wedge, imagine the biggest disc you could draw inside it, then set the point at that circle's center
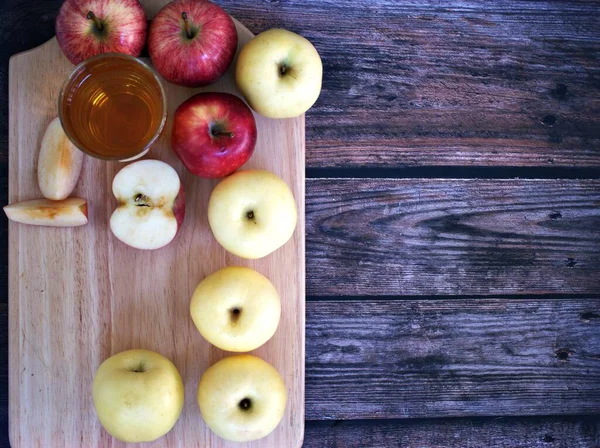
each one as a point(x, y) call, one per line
point(70, 212)
point(59, 163)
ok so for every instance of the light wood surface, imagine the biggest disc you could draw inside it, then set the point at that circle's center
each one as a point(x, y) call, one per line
point(78, 295)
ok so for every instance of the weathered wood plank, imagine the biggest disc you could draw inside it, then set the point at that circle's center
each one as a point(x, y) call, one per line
point(445, 236)
point(426, 82)
point(455, 357)
point(538, 432)
point(449, 83)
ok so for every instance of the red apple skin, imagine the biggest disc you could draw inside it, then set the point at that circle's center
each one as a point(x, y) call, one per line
point(123, 30)
point(179, 207)
point(195, 124)
point(196, 61)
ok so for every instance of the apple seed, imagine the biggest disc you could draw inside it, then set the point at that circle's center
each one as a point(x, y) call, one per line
point(142, 200)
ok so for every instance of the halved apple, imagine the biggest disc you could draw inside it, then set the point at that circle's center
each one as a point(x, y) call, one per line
point(151, 204)
point(70, 212)
point(59, 163)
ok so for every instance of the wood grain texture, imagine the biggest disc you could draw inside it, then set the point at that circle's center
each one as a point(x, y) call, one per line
point(547, 432)
point(420, 83)
point(449, 83)
point(464, 237)
point(78, 295)
point(430, 83)
point(458, 357)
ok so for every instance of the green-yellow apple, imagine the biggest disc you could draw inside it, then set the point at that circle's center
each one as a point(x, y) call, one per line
point(252, 213)
point(279, 73)
point(236, 308)
point(138, 395)
point(242, 398)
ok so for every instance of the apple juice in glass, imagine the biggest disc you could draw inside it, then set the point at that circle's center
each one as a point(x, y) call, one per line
point(113, 107)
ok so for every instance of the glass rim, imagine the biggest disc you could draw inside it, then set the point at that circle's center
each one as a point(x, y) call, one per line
point(146, 67)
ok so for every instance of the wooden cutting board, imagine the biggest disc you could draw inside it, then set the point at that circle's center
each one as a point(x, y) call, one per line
point(78, 295)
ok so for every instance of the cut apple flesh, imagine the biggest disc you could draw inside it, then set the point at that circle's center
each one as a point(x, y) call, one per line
point(147, 192)
point(143, 227)
point(70, 212)
point(59, 163)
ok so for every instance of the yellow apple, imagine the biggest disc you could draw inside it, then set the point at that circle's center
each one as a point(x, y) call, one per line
point(252, 213)
point(242, 398)
point(138, 395)
point(279, 73)
point(236, 308)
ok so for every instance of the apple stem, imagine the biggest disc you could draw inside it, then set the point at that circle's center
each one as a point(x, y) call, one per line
point(188, 32)
point(97, 22)
point(222, 134)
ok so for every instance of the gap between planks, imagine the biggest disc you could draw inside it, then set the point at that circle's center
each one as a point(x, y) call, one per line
point(507, 297)
point(455, 172)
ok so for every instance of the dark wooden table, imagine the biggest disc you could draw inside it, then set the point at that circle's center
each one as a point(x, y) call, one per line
point(453, 218)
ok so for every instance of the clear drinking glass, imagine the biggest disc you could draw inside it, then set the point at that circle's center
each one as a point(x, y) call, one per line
point(113, 107)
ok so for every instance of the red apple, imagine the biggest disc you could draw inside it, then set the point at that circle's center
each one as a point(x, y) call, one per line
point(213, 134)
point(192, 42)
point(85, 28)
point(151, 204)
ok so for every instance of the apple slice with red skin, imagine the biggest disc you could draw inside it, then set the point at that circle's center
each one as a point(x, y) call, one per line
point(151, 204)
point(71, 212)
point(85, 28)
point(192, 43)
point(213, 134)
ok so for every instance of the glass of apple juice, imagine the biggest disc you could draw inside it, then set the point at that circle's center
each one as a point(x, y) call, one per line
point(113, 107)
